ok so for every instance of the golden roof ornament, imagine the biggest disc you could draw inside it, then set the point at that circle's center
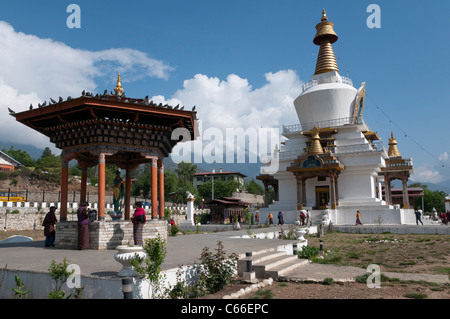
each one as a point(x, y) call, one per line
point(118, 89)
point(316, 147)
point(393, 150)
point(325, 36)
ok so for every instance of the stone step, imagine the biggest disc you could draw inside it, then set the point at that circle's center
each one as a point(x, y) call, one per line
point(271, 263)
point(289, 264)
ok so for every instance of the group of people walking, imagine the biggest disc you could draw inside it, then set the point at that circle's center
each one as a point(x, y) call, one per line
point(304, 217)
point(83, 220)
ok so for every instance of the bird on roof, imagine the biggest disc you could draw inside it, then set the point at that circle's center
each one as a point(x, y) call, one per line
point(83, 93)
point(11, 111)
point(182, 108)
point(31, 106)
point(53, 101)
point(193, 109)
point(44, 104)
point(60, 99)
point(176, 107)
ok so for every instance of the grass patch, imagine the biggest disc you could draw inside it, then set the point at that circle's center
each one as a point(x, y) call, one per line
point(415, 295)
point(444, 270)
point(263, 294)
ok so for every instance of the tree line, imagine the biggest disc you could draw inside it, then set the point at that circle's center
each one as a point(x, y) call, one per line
point(177, 181)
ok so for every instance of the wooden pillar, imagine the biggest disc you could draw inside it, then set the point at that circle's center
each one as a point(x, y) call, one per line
point(161, 188)
point(405, 192)
point(303, 191)
point(101, 186)
point(387, 189)
point(336, 189)
point(332, 191)
point(266, 194)
point(154, 188)
point(299, 193)
point(83, 183)
point(276, 192)
point(127, 194)
point(64, 187)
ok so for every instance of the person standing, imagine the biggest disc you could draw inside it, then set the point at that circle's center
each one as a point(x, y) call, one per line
point(118, 191)
point(418, 217)
point(308, 218)
point(270, 219)
point(138, 220)
point(358, 218)
point(83, 226)
point(280, 218)
point(257, 217)
point(49, 227)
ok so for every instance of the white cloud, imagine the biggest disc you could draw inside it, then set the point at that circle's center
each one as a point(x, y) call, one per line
point(443, 156)
point(233, 103)
point(33, 70)
point(427, 175)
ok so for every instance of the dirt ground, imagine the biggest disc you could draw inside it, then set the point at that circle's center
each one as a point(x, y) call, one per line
point(427, 254)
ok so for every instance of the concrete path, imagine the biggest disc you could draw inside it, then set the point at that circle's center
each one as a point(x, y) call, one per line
point(183, 250)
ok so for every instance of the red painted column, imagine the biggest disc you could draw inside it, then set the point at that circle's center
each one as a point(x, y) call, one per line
point(64, 188)
point(83, 184)
point(127, 193)
point(161, 188)
point(101, 186)
point(154, 188)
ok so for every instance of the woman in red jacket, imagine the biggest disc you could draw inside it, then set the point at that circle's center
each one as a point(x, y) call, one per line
point(138, 220)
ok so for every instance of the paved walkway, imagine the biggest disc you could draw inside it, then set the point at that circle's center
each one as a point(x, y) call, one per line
point(181, 250)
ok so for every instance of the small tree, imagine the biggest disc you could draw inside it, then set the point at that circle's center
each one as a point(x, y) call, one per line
point(20, 291)
point(217, 270)
point(60, 274)
point(156, 251)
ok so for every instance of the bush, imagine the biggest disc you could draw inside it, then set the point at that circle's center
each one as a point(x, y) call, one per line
point(174, 230)
point(308, 252)
point(216, 270)
point(156, 251)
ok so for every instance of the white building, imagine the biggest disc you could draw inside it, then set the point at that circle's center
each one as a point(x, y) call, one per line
point(331, 158)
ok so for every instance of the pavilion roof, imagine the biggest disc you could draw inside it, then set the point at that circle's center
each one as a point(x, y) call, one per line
point(106, 107)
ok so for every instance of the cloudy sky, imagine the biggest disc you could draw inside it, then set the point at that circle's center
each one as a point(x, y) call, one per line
point(241, 63)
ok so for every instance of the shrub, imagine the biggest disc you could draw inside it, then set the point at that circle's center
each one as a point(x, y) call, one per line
point(156, 251)
point(174, 230)
point(308, 252)
point(216, 270)
point(60, 274)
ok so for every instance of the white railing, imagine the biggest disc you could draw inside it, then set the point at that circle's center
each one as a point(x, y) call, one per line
point(376, 146)
point(297, 128)
point(407, 162)
point(313, 83)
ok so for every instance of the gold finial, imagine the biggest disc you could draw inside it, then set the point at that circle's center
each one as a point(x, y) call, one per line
point(118, 89)
point(325, 36)
point(324, 16)
point(316, 147)
point(393, 149)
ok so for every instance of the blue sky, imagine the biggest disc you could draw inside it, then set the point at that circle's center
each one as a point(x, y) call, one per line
point(241, 62)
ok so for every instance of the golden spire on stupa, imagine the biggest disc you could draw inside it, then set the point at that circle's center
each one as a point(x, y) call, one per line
point(118, 89)
point(325, 36)
point(393, 149)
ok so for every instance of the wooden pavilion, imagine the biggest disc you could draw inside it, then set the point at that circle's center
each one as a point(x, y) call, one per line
point(111, 128)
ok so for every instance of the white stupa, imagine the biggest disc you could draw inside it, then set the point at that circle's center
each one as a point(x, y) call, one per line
point(331, 159)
